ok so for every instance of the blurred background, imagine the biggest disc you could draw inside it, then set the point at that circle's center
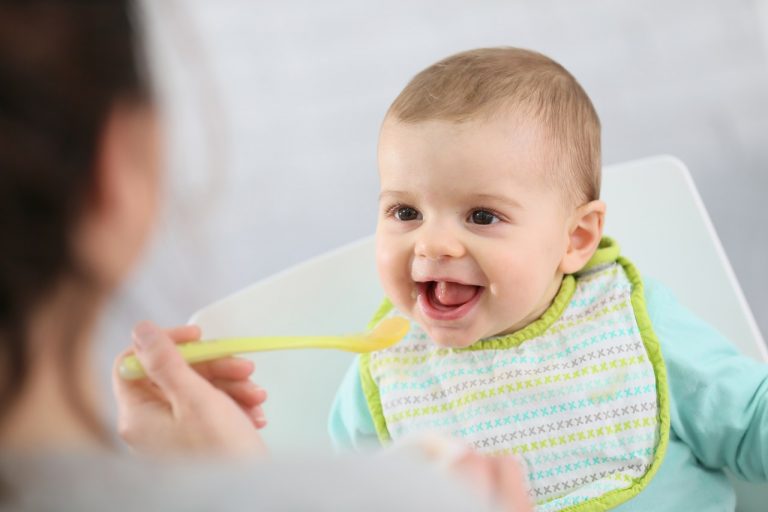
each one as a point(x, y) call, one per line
point(273, 110)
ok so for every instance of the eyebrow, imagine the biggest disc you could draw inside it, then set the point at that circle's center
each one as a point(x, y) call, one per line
point(385, 193)
point(499, 199)
point(508, 201)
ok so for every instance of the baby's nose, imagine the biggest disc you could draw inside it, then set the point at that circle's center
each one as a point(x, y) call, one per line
point(435, 243)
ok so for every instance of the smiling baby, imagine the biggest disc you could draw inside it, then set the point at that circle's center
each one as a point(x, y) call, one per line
point(531, 336)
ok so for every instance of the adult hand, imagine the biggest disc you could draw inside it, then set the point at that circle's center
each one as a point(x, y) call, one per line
point(500, 481)
point(209, 409)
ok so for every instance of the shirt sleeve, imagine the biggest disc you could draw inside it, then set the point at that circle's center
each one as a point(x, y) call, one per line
point(350, 424)
point(719, 397)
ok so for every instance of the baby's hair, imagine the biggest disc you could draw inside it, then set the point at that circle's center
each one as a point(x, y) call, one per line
point(479, 83)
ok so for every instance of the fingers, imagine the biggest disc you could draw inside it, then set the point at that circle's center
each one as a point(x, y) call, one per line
point(256, 414)
point(511, 490)
point(162, 363)
point(127, 392)
point(244, 392)
point(230, 368)
point(499, 479)
point(478, 471)
point(225, 368)
point(231, 376)
point(184, 333)
point(249, 396)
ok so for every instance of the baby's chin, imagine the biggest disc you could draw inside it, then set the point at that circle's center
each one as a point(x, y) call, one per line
point(450, 338)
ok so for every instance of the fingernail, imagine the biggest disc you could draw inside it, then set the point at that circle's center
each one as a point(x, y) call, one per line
point(144, 334)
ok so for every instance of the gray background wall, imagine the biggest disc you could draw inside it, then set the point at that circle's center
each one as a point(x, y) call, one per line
point(273, 111)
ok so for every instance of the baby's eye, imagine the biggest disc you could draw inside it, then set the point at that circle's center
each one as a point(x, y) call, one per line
point(406, 213)
point(483, 217)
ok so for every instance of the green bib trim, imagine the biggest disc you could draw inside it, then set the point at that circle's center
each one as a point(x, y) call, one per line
point(653, 347)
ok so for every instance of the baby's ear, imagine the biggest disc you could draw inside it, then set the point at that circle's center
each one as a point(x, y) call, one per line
point(584, 233)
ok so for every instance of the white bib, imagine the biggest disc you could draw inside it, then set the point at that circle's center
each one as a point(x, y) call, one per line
point(580, 395)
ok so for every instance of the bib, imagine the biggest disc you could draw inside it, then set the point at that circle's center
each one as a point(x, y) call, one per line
point(580, 394)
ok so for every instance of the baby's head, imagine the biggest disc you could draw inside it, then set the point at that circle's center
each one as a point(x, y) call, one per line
point(490, 177)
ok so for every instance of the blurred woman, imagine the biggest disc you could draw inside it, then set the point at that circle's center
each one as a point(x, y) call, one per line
point(80, 167)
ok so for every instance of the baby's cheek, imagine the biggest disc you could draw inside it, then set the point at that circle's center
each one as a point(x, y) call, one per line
point(506, 278)
point(513, 292)
point(393, 274)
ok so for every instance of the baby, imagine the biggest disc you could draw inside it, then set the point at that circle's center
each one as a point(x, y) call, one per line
point(531, 335)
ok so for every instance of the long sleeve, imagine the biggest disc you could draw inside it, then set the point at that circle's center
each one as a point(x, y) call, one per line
point(350, 424)
point(719, 397)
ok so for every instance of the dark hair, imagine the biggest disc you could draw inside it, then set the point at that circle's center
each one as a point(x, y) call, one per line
point(63, 66)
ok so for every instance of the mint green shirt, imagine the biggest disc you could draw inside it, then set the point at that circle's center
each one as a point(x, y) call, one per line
point(718, 408)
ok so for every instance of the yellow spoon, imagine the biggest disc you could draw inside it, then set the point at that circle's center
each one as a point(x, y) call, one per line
point(388, 332)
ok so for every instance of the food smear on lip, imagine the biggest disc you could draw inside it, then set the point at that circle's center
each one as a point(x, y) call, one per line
point(447, 300)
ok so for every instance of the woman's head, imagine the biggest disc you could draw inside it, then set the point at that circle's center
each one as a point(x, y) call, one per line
point(78, 163)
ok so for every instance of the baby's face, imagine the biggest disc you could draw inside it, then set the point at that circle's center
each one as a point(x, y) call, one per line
point(470, 234)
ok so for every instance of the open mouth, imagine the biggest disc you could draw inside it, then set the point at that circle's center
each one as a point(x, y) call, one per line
point(447, 300)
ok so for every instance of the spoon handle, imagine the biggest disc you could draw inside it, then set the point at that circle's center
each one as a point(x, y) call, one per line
point(388, 332)
point(199, 351)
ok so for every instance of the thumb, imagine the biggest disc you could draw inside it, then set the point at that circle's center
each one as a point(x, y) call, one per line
point(162, 362)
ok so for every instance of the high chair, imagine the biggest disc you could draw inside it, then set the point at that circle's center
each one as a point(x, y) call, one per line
point(654, 212)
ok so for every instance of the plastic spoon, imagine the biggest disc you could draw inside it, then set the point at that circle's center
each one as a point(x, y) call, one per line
point(388, 332)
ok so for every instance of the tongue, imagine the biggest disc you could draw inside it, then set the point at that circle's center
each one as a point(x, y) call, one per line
point(453, 294)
